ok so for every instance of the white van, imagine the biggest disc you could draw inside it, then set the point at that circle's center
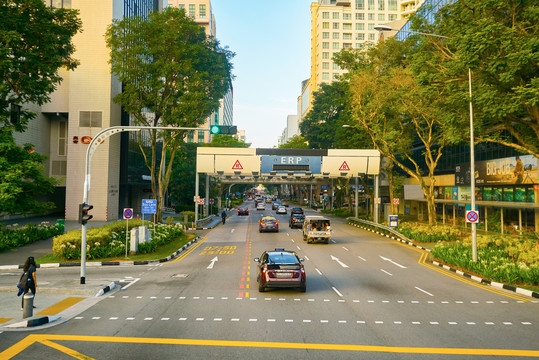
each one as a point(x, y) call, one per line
point(316, 228)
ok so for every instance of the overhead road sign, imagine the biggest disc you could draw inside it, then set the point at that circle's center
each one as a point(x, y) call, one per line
point(350, 163)
point(283, 164)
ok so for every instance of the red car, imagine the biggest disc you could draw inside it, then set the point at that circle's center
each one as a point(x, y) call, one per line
point(280, 268)
point(243, 211)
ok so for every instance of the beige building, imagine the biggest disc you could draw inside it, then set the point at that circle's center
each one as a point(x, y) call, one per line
point(82, 106)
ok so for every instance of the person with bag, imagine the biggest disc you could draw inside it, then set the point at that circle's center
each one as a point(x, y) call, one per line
point(28, 278)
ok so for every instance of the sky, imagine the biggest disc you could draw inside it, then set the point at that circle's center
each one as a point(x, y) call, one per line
point(271, 40)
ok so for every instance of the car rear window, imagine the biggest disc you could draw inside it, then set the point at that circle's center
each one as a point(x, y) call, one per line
point(282, 258)
point(271, 221)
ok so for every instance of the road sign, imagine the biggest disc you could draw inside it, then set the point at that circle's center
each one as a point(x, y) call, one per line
point(377, 200)
point(237, 166)
point(128, 214)
point(149, 206)
point(196, 198)
point(344, 167)
point(393, 220)
point(212, 201)
point(396, 201)
point(472, 217)
point(201, 202)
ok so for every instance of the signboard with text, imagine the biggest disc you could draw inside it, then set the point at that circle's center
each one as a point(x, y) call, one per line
point(149, 206)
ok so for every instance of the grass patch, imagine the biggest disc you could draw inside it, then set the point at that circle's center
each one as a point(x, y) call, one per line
point(159, 253)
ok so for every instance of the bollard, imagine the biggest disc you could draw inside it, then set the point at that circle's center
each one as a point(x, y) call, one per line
point(28, 306)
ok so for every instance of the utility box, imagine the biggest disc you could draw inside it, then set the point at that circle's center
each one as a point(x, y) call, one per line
point(134, 240)
point(143, 234)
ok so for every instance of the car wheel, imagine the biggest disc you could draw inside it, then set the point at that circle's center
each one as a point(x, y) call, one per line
point(303, 288)
point(261, 288)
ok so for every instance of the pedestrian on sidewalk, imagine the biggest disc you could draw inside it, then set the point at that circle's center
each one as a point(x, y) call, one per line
point(223, 215)
point(28, 278)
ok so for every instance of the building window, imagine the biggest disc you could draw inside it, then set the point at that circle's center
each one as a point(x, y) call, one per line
point(325, 35)
point(192, 11)
point(336, 66)
point(58, 4)
point(62, 138)
point(347, 36)
point(347, 45)
point(335, 26)
point(325, 25)
point(347, 26)
point(90, 119)
point(360, 26)
point(360, 16)
point(381, 5)
point(392, 5)
point(392, 17)
point(359, 45)
point(336, 16)
point(325, 15)
point(371, 5)
point(360, 5)
point(381, 17)
point(335, 36)
point(371, 37)
point(325, 55)
point(360, 37)
point(336, 46)
point(371, 27)
point(347, 16)
point(181, 6)
point(325, 65)
point(59, 168)
point(217, 117)
point(200, 136)
point(202, 11)
point(325, 76)
point(325, 45)
point(371, 17)
point(190, 136)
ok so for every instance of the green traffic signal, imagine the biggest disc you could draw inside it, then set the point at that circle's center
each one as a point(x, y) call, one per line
point(223, 129)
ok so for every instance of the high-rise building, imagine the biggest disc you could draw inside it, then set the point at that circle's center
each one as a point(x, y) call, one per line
point(201, 12)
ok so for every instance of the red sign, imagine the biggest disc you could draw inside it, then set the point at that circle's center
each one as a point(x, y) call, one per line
point(237, 166)
point(344, 167)
point(472, 216)
point(128, 213)
point(396, 201)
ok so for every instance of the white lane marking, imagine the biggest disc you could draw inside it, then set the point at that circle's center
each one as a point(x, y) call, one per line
point(333, 241)
point(345, 248)
point(165, 319)
point(212, 263)
point(131, 283)
point(394, 263)
point(339, 261)
point(292, 240)
point(130, 318)
point(182, 319)
point(288, 320)
point(361, 258)
point(318, 271)
point(218, 319)
point(113, 318)
point(337, 291)
point(426, 292)
point(272, 320)
point(306, 321)
point(148, 319)
point(390, 274)
point(287, 234)
point(306, 258)
point(298, 248)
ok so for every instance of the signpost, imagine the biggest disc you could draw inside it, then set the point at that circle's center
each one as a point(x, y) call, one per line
point(472, 216)
point(149, 206)
point(393, 220)
point(128, 214)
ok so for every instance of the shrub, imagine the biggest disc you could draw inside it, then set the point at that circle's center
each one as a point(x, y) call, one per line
point(13, 236)
point(425, 233)
point(340, 212)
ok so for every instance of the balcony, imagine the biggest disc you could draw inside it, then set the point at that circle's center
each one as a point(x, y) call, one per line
point(346, 3)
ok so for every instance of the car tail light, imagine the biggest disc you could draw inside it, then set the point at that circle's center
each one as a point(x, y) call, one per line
point(276, 223)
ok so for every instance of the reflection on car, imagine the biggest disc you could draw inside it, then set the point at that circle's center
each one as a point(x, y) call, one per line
point(296, 220)
point(268, 223)
point(280, 268)
point(274, 206)
point(281, 210)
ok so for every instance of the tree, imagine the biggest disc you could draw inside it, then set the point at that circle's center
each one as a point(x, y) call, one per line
point(35, 41)
point(21, 178)
point(295, 142)
point(497, 40)
point(170, 69)
point(221, 140)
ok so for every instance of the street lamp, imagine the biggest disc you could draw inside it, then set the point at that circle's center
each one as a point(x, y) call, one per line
point(472, 150)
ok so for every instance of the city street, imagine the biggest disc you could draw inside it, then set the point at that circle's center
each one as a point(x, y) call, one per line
point(367, 297)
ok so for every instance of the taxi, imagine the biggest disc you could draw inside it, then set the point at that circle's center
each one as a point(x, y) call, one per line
point(268, 223)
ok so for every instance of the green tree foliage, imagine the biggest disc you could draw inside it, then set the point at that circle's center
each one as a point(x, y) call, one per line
point(21, 178)
point(497, 40)
point(170, 69)
point(35, 41)
point(296, 142)
point(221, 140)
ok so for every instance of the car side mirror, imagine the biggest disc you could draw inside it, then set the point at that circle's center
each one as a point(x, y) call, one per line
point(301, 260)
point(257, 259)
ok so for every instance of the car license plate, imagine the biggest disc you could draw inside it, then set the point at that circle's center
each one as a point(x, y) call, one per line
point(286, 275)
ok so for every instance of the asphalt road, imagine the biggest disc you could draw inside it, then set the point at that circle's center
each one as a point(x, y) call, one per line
point(367, 297)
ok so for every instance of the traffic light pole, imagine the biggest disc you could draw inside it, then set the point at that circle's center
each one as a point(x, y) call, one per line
point(96, 141)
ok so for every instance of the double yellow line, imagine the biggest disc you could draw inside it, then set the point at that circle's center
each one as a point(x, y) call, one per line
point(189, 251)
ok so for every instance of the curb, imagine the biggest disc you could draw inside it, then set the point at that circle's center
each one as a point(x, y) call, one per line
point(515, 289)
point(38, 321)
point(106, 289)
point(106, 263)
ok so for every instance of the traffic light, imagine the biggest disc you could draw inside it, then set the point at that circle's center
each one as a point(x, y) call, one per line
point(83, 213)
point(223, 129)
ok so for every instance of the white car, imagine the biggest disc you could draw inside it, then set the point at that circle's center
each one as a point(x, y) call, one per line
point(260, 206)
point(281, 210)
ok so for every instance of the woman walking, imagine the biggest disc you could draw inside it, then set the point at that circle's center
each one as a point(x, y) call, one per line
point(28, 278)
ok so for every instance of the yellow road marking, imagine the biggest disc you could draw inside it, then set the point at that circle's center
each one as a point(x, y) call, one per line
point(189, 251)
point(4, 320)
point(61, 306)
point(65, 350)
point(48, 338)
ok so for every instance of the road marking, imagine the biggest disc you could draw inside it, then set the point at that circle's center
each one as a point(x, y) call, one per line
point(60, 306)
point(390, 274)
point(394, 263)
point(426, 292)
point(306, 258)
point(338, 261)
point(337, 291)
point(298, 248)
point(345, 248)
point(215, 259)
point(361, 258)
point(232, 230)
point(318, 271)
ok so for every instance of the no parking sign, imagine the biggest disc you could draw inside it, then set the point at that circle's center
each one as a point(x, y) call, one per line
point(128, 214)
point(472, 216)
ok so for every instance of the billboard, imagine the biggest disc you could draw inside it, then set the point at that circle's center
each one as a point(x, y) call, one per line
point(506, 171)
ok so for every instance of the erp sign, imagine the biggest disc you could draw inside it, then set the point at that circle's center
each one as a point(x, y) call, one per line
point(284, 164)
point(149, 206)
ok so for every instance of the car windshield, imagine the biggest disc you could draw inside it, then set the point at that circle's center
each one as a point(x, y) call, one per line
point(282, 258)
point(268, 220)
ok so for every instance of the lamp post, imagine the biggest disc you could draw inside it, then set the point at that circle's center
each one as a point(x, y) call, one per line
point(472, 148)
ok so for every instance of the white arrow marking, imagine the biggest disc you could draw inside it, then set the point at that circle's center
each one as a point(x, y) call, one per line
point(339, 261)
point(394, 263)
point(212, 262)
point(134, 281)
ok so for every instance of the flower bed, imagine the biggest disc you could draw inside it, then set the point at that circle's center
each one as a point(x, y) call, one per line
point(425, 233)
point(13, 236)
point(109, 240)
